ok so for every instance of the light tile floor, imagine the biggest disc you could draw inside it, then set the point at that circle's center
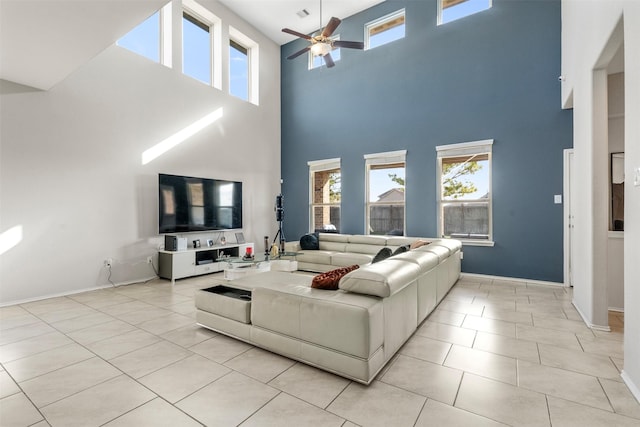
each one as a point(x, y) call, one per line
point(494, 353)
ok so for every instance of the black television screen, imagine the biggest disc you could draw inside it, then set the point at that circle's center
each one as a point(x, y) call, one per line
point(187, 204)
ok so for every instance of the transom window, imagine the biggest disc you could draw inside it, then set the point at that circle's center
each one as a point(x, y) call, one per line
point(385, 183)
point(238, 70)
point(464, 188)
point(152, 37)
point(450, 10)
point(325, 195)
point(196, 48)
point(243, 66)
point(385, 30)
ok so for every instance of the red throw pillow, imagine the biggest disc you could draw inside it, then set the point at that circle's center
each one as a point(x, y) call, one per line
point(330, 279)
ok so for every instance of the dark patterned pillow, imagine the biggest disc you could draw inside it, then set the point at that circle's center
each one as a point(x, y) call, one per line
point(309, 242)
point(383, 253)
point(401, 249)
point(330, 279)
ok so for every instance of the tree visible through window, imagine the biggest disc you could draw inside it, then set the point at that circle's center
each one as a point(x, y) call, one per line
point(385, 213)
point(326, 197)
point(465, 190)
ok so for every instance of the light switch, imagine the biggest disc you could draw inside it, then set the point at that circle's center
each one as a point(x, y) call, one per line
point(557, 199)
point(636, 178)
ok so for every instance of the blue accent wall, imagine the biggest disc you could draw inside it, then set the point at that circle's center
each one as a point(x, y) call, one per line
point(491, 75)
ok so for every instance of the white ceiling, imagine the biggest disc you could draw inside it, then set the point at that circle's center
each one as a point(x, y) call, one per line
point(271, 16)
point(43, 41)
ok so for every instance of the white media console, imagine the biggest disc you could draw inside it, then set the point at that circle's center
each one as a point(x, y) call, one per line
point(196, 261)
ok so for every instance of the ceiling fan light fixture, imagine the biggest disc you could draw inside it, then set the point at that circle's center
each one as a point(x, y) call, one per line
point(320, 49)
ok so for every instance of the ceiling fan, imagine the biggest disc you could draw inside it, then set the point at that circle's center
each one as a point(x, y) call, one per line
point(322, 44)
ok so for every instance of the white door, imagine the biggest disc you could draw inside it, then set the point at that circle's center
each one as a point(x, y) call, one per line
point(568, 209)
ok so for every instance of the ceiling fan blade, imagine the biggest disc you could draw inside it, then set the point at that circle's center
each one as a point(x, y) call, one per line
point(328, 60)
point(331, 27)
point(298, 53)
point(295, 33)
point(347, 44)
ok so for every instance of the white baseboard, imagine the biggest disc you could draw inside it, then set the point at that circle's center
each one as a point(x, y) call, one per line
point(616, 309)
point(78, 291)
point(512, 279)
point(635, 390)
point(588, 323)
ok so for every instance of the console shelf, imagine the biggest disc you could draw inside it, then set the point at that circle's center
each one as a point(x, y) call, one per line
point(174, 265)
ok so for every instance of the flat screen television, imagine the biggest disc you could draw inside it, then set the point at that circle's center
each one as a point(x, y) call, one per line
point(188, 204)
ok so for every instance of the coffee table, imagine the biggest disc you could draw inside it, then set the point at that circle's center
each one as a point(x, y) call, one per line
point(240, 267)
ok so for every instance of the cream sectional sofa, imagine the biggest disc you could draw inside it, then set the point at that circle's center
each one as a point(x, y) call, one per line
point(353, 331)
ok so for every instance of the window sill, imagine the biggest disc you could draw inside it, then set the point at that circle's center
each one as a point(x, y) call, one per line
point(487, 243)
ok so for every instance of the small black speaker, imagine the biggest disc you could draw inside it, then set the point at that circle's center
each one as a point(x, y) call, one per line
point(279, 201)
point(170, 243)
point(279, 214)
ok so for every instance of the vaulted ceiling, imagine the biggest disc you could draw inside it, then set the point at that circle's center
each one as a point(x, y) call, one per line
point(43, 41)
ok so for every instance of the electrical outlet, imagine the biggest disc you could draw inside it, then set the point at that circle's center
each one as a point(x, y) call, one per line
point(149, 259)
point(108, 262)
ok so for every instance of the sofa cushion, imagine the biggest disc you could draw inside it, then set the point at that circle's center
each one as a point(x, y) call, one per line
point(333, 237)
point(309, 242)
point(343, 259)
point(329, 280)
point(381, 279)
point(425, 260)
point(362, 248)
point(452, 244)
point(315, 257)
point(441, 251)
point(332, 246)
point(368, 240)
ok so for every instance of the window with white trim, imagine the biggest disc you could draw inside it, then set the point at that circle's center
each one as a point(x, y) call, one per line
point(385, 185)
point(384, 30)
point(464, 191)
point(152, 37)
point(243, 66)
point(450, 10)
point(325, 195)
point(201, 36)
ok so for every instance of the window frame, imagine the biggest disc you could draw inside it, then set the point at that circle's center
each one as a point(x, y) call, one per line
point(253, 70)
point(316, 166)
point(380, 22)
point(457, 2)
point(459, 150)
point(378, 161)
point(207, 18)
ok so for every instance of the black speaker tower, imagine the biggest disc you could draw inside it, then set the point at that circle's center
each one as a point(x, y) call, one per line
point(280, 218)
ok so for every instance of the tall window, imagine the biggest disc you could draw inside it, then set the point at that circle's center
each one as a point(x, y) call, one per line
point(238, 70)
point(450, 10)
point(385, 193)
point(325, 195)
point(384, 30)
point(464, 183)
point(196, 48)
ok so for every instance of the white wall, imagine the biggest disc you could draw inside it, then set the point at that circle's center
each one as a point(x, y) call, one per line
point(71, 169)
point(583, 51)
